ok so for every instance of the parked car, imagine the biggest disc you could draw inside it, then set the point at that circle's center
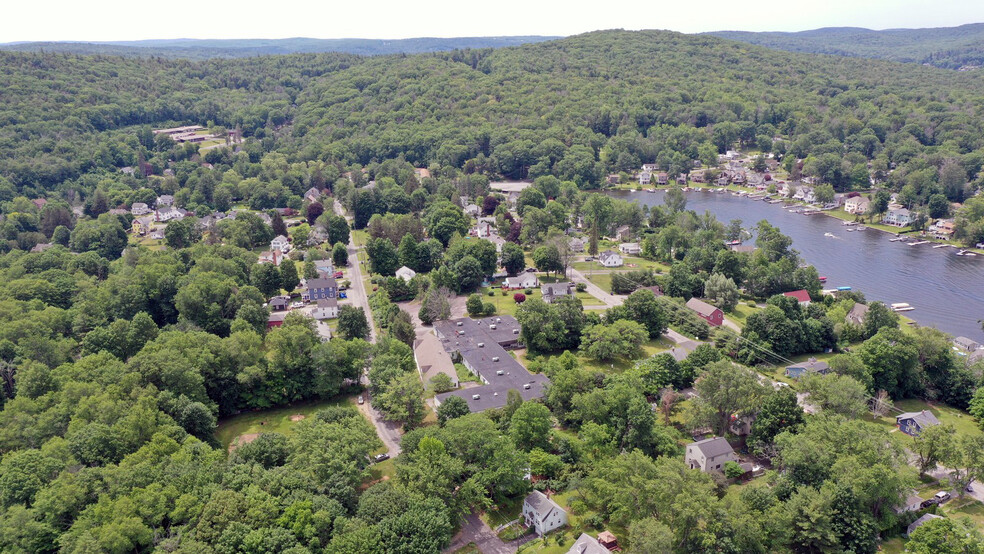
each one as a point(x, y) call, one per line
point(297, 305)
point(362, 399)
point(338, 275)
point(342, 295)
point(380, 457)
point(531, 269)
point(941, 497)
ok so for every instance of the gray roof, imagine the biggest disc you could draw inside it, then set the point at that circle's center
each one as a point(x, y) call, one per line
point(811, 365)
point(557, 289)
point(482, 347)
point(924, 418)
point(586, 544)
point(328, 302)
point(322, 283)
point(701, 307)
point(608, 254)
point(714, 447)
point(858, 312)
point(966, 343)
point(543, 505)
point(920, 522)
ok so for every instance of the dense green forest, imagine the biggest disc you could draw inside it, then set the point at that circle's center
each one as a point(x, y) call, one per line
point(119, 354)
point(948, 47)
point(200, 49)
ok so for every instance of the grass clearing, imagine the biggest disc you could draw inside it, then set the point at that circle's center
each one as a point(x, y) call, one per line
point(276, 420)
point(602, 280)
point(470, 548)
point(961, 421)
point(965, 507)
point(503, 513)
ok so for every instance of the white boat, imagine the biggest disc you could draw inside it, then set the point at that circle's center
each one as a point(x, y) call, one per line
point(829, 235)
point(849, 229)
point(902, 307)
point(941, 245)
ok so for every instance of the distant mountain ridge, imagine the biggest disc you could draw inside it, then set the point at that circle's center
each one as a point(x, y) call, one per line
point(197, 49)
point(946, 47)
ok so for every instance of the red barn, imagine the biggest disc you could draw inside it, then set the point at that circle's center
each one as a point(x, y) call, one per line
point(712, 315)
point(276, 319)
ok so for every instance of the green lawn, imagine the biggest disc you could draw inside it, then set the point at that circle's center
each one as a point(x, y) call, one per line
point(741, 312)
point(602, 280)
point(650, 348)
point(893, 546)
point(360, 237)
point(631, 263)
point(464, 375)
point(503, 513)
point(965, 507)
point(381, 471)
point(961, 421)
point(276, 420)
point(560, 541)
point(469, 548)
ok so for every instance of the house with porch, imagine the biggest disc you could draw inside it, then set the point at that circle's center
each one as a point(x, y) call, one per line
point(280, 243)
point(645, 178)
point(900, 217)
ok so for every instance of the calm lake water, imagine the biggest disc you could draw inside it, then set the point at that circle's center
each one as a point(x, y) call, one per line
point(946, 290)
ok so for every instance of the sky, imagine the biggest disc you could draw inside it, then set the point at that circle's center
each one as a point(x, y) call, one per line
point(107, 20)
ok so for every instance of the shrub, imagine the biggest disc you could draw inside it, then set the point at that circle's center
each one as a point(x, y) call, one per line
point(491, 292)
point(750, 303)
point(732, 470)
point(489, 308)
point(528, 292)
point(581, 287)
point(519, 297)
point(505, 292)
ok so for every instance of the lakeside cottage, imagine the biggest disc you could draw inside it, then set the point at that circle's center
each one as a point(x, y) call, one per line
point(900, 217)
point(801, 296)
point(645, 178)
point(710, 314)
point(857, 313)
point(857, 205)
point(967, 344)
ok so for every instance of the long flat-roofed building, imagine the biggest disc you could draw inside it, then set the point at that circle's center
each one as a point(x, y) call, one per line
point(481, 345)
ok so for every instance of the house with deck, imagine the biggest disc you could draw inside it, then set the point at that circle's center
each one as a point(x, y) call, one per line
point(899, 217)
point(857, 313)
point(709, 454)
point(645, 178)
point(857, 205)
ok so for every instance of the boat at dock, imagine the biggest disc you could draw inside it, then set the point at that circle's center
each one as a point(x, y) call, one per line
point(896, 239)
point(843, 289)
point(902, 307)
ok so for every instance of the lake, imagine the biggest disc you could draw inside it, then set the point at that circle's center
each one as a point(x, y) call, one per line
point(946, 290)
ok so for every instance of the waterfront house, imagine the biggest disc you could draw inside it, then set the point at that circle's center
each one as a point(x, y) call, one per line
point(967, 344)
point(698, 177)
point(553, 291)
point(613, 179)
point(542, 514)
point(709, 454)
point(682, 179)
point(943, 229)
point(723, 180)
point(912, 423)
point(801, 296)
point(810, 366)
point(857, 205)
point(280, 243)
point(645, 178)
point(900, 217)
point(630, 248)
point(857, 313)
point(525, 280)
point(650, 167)
point(662, 178)
point(708, 313)
point(610, 258)
point(406, 273)
point(623, 233)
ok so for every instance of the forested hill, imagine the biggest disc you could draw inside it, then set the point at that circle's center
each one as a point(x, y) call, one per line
point(947, 47)
point(195, 49)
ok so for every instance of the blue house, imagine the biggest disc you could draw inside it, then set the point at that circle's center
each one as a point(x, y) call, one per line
point(321, 288)
point(810, 366)
point(912, 423)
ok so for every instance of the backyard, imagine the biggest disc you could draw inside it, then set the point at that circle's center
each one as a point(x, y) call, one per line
point(276, 420)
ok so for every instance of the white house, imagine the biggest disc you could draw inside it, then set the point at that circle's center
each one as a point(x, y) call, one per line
point(164, 200)
point(525, 280)
point(543, 514)
point(645, 178)
point(709, 454)
point(473, 210)
point(139, 208)
point(405, 273)
point(610, 258)
point(630, 248)
point(327, 308)
point(899, 218)
point(484, 229)
point(857, 205)
point(280, 243)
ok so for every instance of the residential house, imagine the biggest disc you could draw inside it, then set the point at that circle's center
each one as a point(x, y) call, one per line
point(857, 313)
point(858, 205)
point(41, 247)
point(772, 164)
point(274, 257)
point(142, 225)
point(513, 198)
point(553, 291)
point(484, 229)
point(645, 178)
point(280, 243)
point(139, 208)
point(324, 266)
point(278, 303)
point(943, 229)
point(164, 201)
point(920, 522)
point(586, 544)
point(170, 213)
point(630, 248)
point(900, 217)
point(805, 194)
point(801, 296)
point(745, 248)
point(912, 503)
point(317, 235)
point(723, 180)
point(709, 454)
point(967, 344)
point(650, 167)
point(681, 179)
point(912, 423)
point(525, 280)
point(810, 366)
point(697, 177)
point(710, 314)
point(322, 287)
point(623, 233)
point(312, 194)
point(432, 359)
point(738, 178)
point(543, 514)
point(406, 273)
point(662, 178)
point(327, 308)
point(613, 179)
point(276, 319)
point(577, 245)
point(610, 258)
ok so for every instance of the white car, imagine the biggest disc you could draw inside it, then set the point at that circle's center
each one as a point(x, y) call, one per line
point(297, 305)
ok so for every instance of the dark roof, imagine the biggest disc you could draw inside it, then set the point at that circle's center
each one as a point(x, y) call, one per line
point(920, 522)
point(858, 311)
point(701, 307)
point(543, 505)
point(279, 316)
point(481, 347)
point(322, 283)
point(811, 365)
point(714, 447)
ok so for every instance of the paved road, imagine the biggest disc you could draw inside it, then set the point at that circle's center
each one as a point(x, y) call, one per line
point(609, 299)
point(474, 530)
